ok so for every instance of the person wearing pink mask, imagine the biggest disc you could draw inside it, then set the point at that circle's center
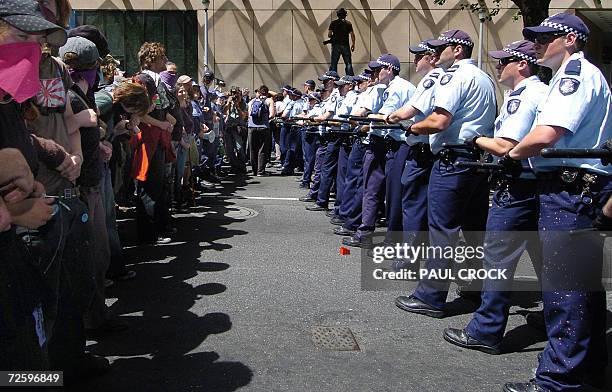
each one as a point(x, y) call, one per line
point(23, 29)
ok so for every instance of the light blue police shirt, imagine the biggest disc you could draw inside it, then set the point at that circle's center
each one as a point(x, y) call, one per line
point(578, 99)
point(423, 101)
point(397, 95)
point(349, 101)
point(467, 93)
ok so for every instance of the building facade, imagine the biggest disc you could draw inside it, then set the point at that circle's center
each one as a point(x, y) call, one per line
point(272, 42)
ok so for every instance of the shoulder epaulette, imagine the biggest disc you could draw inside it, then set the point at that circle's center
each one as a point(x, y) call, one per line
point(574, 67)
point(517, 92)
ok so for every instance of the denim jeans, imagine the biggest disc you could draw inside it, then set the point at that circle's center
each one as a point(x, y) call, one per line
point(345, 52)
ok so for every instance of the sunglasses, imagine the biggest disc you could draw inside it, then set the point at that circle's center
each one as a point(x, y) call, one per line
point(507, 60)
point(546, 38)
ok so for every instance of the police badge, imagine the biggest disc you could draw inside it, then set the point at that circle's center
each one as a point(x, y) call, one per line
point(568, 86)
point(513, 106)
point(445, 79)
point(428, 83)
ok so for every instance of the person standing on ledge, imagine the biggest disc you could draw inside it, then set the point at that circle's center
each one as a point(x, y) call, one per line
point(338, 34)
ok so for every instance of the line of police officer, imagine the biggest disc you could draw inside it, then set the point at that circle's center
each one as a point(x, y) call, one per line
point(426, 180)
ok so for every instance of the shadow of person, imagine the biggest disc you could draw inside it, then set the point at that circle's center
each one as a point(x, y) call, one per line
point(520, 338)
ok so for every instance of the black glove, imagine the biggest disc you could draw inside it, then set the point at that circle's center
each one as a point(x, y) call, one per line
point(602, 222)
point(511, 166)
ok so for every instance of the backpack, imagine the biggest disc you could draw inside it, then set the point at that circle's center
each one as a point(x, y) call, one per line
point(259, 112)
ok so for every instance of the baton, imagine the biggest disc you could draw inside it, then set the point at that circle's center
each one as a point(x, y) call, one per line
point(576, 153)
point(366, 119)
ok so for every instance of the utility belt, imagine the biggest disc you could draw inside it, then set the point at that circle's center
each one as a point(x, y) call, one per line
point(575, 181)
point(421, 154)
point(448, 156)
point(392, 144)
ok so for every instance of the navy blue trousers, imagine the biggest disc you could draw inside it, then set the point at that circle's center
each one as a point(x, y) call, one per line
point(310, 144)
point(512, 228)
point(415, 183)
point(328, 172)
point(573, 296)
point(457, 200)
point(343, 156)
point(373, 185)
point(316, 179)
point(396, 160)
point(352, 197)
point(291, 140)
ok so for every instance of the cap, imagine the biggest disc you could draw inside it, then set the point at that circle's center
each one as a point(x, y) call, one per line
point(452, 37)
point(86, 53)
point(315, 96)
point(295, 91)
point(27, 16)
point(287, 88)
point(184, 79)
point(311, 83)
point(345, 80)
point(149, 84)
point(364, 76)
point(385, 60)
point(208, 75)
point(94, 35)
point(523, 49)
point(561, 22)
point(329, 75)
point(422, 47)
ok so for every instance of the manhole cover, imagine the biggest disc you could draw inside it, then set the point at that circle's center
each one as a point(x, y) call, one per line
point(334, 338)
point(221, 213)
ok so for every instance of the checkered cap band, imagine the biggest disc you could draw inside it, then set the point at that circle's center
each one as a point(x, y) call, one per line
point(426, 47)
point(520, 55)
point(566, 29)
point(387, 64)
point(456, 41)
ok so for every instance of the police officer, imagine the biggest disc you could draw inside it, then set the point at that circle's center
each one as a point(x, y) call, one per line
point(515, 208)
point(294, 108)
point(329, 97)
point(399, 90)
point(457, 197)
point(310, 142)
point(350, 210)
point(329, 170)
point(575, 113)
point(416, 168)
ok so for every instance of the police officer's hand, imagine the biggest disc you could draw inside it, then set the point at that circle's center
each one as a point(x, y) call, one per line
point(511, 166)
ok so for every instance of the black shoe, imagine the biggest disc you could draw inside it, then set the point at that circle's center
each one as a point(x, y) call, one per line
point(414, 305)
point(530, 386)
point(286, 173)
point(459, 337)
point(468, 295)
point(357, 242)
point(304, 186)
point(263, 174)
point(536, 321)
point(307, 199)
point(316, 207)
point(343, 232)
point(330, 214)
point(381, 222)
point(337, 221)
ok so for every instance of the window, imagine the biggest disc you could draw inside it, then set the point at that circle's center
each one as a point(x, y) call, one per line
point(127, 30)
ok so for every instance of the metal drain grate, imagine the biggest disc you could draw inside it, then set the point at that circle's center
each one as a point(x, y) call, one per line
point(334, 338)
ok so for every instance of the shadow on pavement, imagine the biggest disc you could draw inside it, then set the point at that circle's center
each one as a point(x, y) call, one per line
point(164, 349)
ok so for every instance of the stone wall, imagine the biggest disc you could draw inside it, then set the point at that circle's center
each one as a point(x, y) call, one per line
point(254, 42)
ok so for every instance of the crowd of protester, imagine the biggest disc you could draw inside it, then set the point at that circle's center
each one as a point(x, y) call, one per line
point(81, 140)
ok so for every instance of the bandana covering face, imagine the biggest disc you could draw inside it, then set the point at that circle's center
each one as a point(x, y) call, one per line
point(19, 67)
point(88, 75)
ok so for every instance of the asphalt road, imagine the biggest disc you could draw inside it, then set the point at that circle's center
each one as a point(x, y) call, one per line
point(231, 303)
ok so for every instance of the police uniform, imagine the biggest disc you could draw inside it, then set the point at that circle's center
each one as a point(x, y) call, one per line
point(514, 209)
point(395, 96)
point(290, 136)
point(350, 209)
point(457, 197)
point(419, 160)
point(571, 193)
point(310, 143)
